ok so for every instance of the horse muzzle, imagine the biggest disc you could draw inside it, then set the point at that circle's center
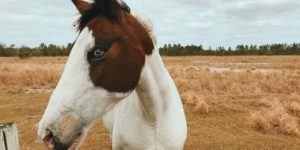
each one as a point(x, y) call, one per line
point(53, 143)
point(64, 135)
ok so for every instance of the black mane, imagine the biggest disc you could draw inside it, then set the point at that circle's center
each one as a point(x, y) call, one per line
point(107, 8)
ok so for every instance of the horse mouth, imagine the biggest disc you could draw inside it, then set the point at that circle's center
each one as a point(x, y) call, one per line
point(53, 143)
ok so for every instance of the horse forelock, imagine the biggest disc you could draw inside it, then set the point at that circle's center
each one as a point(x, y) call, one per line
point(108, 8)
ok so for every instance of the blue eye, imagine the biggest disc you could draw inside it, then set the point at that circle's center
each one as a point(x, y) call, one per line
point(98, 53)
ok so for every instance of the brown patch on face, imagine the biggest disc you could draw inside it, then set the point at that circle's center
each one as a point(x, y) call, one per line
point(129, 43)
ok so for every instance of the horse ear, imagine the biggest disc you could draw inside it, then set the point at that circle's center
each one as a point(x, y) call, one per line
point(82, 5)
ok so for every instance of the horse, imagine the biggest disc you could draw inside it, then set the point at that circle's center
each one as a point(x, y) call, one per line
point(115, 73)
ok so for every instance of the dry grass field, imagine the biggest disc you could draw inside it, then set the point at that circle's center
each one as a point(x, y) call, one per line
point(230, 102)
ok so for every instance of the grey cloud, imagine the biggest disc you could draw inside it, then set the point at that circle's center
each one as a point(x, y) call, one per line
point(212, 22)
point(33, 22)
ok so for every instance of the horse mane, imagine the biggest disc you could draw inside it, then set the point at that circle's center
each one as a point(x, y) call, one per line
point(147, 24)
point(107, 8)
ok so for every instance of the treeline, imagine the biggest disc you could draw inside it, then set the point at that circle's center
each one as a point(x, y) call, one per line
point(267, 49)
point(42, 50)
point(166, 50)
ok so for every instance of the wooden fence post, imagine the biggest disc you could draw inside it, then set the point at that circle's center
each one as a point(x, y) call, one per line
point(9, 139)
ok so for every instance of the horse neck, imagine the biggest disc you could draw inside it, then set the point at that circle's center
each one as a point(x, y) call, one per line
point(156, 90)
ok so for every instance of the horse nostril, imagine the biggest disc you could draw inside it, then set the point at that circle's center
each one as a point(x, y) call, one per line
point(49, 139)
point(50, 135)
point(52, 142)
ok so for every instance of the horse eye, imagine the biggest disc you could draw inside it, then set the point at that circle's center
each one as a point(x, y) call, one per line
point(98, 53)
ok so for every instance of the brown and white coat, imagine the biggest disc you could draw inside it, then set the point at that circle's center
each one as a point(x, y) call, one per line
point(114, 72)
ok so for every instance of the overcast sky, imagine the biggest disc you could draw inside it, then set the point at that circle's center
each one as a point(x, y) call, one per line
point(207, 22)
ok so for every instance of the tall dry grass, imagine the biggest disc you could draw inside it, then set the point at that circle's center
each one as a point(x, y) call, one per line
point(234, 103)
point(46, 71)
point(275, 119)
point(246, 87)
point(18, 74)
point(197, 84)
point(294, 108)
point(242, 88)
point(203, 81)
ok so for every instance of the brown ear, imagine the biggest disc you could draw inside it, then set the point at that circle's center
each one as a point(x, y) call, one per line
point(82, 5)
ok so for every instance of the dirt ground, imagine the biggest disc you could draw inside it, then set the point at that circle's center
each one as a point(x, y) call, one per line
point(230, 102)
